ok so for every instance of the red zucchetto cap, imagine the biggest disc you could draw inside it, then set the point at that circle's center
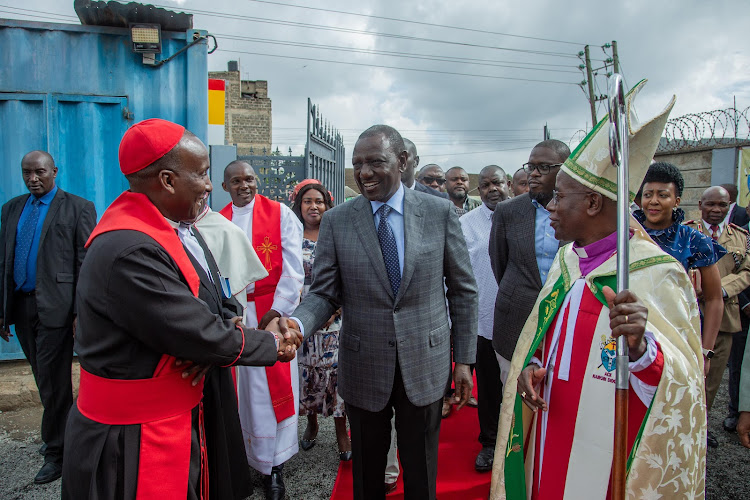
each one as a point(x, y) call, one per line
point(147, 141)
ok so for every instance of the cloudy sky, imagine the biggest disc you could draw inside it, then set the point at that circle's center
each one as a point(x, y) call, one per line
point(492, 73)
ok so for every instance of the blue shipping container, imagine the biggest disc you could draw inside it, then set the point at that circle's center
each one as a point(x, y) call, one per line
point(73, 91)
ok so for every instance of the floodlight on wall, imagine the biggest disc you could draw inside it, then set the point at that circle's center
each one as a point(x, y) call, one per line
point(146, 39)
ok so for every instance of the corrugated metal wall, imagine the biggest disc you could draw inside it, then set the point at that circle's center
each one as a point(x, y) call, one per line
point(73, 90)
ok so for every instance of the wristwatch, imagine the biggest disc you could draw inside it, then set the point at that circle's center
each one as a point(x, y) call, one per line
point(707, 353)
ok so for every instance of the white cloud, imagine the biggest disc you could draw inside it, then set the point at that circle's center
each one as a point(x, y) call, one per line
point(690, 48)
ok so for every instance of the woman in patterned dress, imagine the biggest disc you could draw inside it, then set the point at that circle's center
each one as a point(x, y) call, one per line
point(318, 355)
point(662, 218)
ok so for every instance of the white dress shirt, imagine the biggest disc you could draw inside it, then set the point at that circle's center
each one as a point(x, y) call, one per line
point(476, 226)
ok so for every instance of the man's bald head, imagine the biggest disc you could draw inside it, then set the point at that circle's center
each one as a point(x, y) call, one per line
point(38, 156)
point(241, 182)
point(714, 205)
point(716, 192)
point(234, 166)
point(39, 172)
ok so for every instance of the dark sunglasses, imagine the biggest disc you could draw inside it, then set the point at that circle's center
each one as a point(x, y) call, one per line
point(430, 180)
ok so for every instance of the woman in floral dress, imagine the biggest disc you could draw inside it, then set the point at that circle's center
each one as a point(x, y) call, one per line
point(318, 355)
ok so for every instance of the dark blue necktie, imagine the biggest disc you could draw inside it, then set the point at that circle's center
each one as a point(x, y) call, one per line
point(23, 245)
point(388, 246)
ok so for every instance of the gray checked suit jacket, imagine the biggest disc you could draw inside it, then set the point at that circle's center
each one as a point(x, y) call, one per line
point(513, 258)
point(349, 272)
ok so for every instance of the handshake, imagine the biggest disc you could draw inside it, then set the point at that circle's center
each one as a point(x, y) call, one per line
point(289, 335)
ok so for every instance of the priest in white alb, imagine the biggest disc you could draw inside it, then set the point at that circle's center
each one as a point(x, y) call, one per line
point(268, 397)
point(556, 431)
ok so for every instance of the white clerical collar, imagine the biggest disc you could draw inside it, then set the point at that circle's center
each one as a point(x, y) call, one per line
point(396, 201)
point(175, 225)
point(243, 210)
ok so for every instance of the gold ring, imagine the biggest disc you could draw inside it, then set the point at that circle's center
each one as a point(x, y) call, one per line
point(626, 318)
point(523, 395)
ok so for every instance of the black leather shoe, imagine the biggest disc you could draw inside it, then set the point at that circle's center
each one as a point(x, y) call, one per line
point(43, 449)
point(345, 456)
point(307, 445)
point(274, 485)
point(484, 460)
point(730, 424)
point(48, 473)
point(711, 440)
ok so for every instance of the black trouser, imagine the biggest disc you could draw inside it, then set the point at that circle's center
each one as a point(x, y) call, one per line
point(736, 354)
point(489, 392)
point(50, 353)
point(417, 428)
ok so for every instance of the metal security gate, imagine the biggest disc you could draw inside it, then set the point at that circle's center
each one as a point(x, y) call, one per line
point(324, 153)
point(278, 174)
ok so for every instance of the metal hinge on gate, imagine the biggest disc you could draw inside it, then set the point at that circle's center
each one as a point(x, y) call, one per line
point(127, 114)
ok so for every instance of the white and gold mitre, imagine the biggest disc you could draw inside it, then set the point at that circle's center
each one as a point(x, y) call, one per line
point(590, 163)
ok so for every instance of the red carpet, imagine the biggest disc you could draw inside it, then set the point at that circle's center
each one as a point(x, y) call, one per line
point(457, 479)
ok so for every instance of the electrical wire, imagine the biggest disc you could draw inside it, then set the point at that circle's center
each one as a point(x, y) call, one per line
point(472, 152)
point(496, 77)
point(366, 32)
point(446, 129)
point(428, 57)
point(38, 16)
point(421, 23)
point(39, 12)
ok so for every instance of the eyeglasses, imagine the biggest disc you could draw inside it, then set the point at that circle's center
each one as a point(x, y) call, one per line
point(543, 169)
point(556, 195)
point(429, 180)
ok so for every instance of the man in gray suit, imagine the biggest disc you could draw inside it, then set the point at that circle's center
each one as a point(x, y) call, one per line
point(522, 248)
point(384, 257)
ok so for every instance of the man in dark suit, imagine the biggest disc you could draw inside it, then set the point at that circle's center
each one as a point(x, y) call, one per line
point(408, 176)
point(41, 250)
point(737, 214)
point(522, 248)
point(384, 257)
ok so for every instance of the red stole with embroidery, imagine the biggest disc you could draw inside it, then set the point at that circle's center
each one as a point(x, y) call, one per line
point(266, 240)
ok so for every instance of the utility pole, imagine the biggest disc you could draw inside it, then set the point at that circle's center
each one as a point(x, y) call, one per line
point(590, 80)
point(615, 57)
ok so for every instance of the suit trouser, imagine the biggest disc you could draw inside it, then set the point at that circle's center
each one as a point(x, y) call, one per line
point(489, 392)
point(417, 428)
point(722, 348)
point(50, 353)
point(736, 354)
